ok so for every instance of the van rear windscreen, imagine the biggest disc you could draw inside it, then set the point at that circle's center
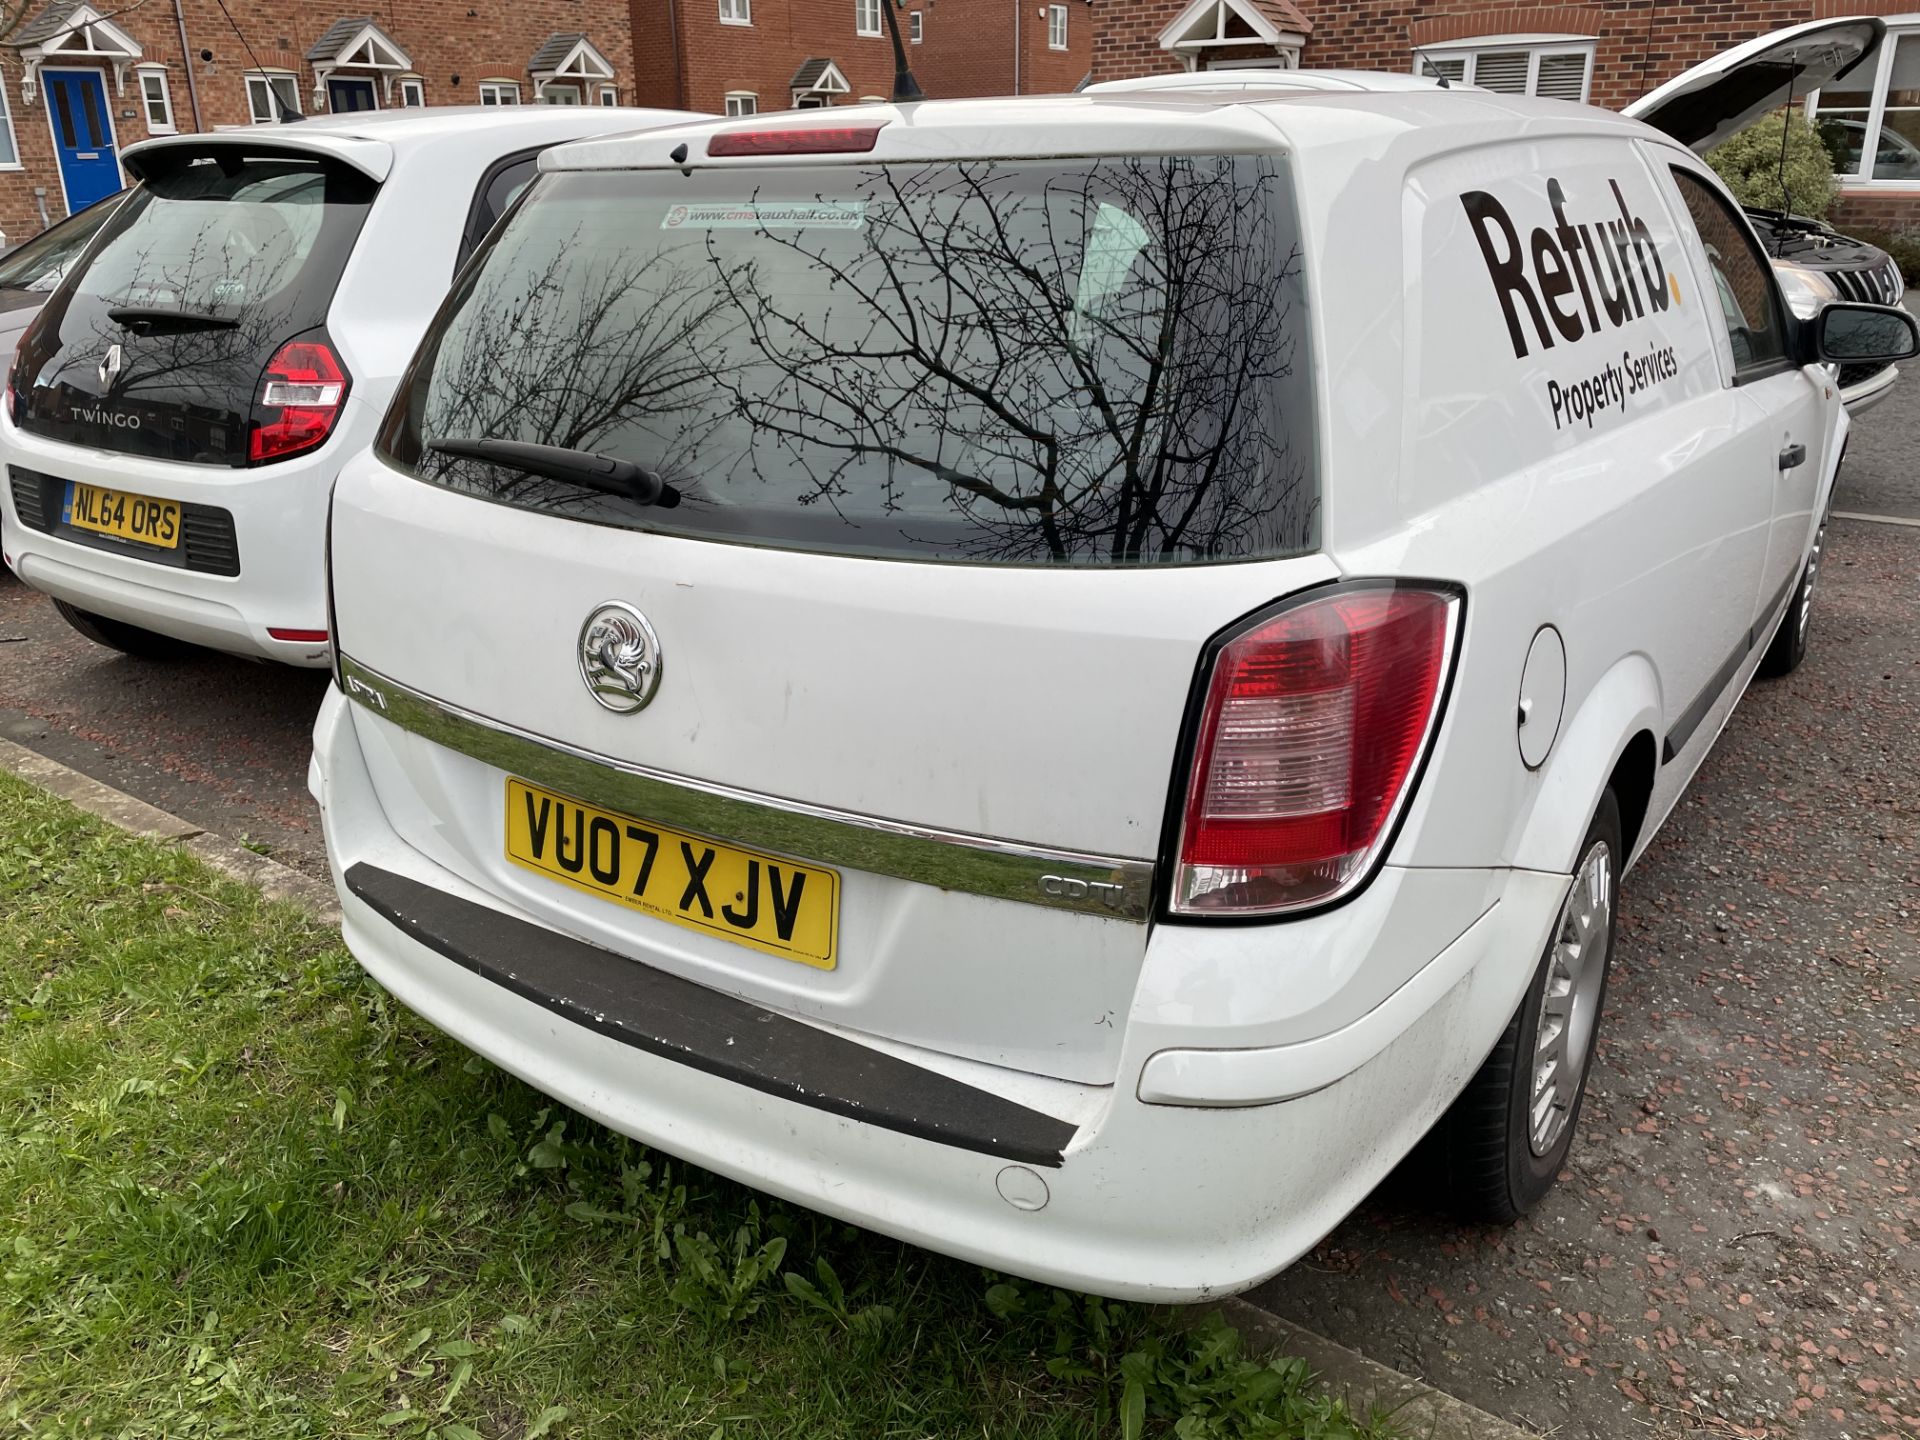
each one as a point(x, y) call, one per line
point(1079, 362)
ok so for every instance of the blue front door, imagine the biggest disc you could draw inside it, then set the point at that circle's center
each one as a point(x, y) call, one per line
point(82, 138)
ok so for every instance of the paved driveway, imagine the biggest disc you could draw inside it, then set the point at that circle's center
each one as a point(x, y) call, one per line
point(1736, 1248)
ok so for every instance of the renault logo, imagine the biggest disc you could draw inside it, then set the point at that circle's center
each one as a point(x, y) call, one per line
point(110, 366)
point(619, 657)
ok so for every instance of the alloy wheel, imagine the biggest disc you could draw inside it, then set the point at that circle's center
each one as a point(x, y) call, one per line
point(1570, 999)
point(1807, 579)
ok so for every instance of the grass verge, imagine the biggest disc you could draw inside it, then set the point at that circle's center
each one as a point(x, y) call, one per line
point(244, 1193)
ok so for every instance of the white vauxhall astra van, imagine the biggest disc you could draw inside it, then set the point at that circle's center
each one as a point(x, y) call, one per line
point(177, 412)
point(1067, 678)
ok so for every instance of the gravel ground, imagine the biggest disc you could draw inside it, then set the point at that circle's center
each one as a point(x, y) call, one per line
point(220, 741)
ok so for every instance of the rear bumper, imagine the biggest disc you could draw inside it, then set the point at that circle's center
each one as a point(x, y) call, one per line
point(1093, 1187)
point(279, 517)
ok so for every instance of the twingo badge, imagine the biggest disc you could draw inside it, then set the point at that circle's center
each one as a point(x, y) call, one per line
point(1614, 266)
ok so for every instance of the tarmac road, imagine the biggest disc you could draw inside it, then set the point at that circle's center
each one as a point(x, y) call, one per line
point(1735, 1248)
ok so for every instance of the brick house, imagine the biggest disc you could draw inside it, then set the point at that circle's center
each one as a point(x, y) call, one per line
point(746, 56)
point(83, 78)
point(1608, 53)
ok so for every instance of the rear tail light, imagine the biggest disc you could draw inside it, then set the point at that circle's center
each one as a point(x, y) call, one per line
point(301, 397)
point(1315, 719)
point(796, 140)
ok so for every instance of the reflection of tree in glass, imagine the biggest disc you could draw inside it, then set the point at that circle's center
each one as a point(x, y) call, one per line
point(210, 278)
point(1089, 370)
point(568, 355)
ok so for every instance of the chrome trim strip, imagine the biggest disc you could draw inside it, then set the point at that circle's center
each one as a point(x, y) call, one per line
point(1108, 886)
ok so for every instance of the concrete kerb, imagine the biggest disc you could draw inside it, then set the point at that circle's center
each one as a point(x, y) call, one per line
point(136, 817)
point(1418, 1410)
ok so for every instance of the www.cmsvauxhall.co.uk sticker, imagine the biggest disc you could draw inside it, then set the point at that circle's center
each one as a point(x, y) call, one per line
point(767, 215)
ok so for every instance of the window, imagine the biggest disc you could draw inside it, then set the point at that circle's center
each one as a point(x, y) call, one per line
point(559, 94)
point(1871, 120)
point(736, 12)
point(609, 94)
point(1056, 27)
point(499, 188)
point(915, 26)
point(269, 96)
point(500, 92)
point(1554, 70)
point(9, 148)
point(156, 102)
point(1149, 296)
point(866, 16)
point(1742, 276)
point(413, 94)
point(742, 102)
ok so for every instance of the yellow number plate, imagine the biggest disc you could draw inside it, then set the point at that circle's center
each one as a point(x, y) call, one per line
point(129, 517)
point(771, 904)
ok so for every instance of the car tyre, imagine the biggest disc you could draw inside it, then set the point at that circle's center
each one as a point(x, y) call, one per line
point(118, 635)
point(1501, 1145)
point(1789, 645)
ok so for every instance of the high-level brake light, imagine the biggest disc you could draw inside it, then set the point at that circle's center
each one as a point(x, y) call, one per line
point(796, 140)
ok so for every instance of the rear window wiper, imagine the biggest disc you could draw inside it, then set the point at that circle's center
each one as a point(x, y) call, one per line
point(578, 467)
point(169, 315)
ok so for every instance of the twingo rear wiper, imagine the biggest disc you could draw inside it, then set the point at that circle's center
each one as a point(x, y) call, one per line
point(169, 315)
point(578, 467)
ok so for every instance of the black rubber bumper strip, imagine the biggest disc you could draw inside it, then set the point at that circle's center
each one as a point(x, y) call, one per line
point(665, 1015)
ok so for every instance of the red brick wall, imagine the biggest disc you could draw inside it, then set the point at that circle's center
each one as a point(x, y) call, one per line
point(969, 48)
point(1897, 210)
point(761, 57)
point(690, 58)
point(439, 37)
point(1639, 46)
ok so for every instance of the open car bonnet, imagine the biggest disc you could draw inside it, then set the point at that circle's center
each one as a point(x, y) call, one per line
point(1719, 98)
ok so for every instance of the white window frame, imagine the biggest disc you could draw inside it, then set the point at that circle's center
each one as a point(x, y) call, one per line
point(499, 89)
point(1536, 46)
point(1056, 27)
point(157, 73)
point(1897, 26)
point(544, 88)
point(742, 102)
point(413, 92)
point(736, 12)
point(916, 26)
point(13, 138)
point(608, 95)
point(866, 17)
point(266, 79)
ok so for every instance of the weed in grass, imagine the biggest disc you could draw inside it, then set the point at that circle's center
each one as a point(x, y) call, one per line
point(243, 1194)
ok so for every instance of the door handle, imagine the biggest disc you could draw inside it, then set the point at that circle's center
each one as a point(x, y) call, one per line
point(1793, 457)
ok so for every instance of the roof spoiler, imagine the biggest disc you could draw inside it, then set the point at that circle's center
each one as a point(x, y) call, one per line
point(372, 158)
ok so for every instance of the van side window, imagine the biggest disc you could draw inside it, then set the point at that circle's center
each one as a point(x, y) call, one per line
point(1748, 297)
point(498, 189)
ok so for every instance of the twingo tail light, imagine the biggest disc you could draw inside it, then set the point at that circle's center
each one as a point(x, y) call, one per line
point(302, 395)
point(1316, 718)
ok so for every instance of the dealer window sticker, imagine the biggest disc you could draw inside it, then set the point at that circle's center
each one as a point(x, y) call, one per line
point(767, 215)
